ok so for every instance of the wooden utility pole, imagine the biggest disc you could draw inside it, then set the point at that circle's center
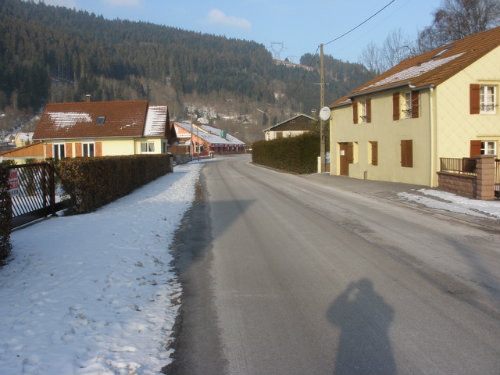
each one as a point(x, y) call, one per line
point(322, 104)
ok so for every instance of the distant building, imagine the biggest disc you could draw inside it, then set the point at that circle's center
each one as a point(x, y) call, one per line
point(93, 129)
point(23, 139)
point(205, 139)
point(292, 127)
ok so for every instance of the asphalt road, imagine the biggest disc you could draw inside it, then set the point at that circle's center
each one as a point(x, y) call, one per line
point(282, 275)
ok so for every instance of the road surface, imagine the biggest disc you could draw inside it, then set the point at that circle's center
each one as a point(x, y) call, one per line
point(285, 276)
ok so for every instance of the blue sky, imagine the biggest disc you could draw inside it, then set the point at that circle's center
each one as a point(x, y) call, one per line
point(300, 25)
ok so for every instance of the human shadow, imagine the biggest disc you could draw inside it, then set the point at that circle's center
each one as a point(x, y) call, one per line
point(364, 319)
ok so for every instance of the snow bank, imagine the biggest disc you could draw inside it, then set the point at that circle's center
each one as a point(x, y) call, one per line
point(454, 203)
point(93, 293)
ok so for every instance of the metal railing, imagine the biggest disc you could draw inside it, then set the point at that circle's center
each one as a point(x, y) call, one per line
point(32, 189)
point(458, 165)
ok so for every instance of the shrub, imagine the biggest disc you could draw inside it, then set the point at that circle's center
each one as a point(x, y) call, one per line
point(94, 182)
point(5, 213)
point(296, 155)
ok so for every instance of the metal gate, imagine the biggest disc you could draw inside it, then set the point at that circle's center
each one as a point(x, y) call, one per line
point(32, 189)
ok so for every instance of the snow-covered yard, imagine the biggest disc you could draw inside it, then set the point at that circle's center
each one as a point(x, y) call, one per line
point(95, 293)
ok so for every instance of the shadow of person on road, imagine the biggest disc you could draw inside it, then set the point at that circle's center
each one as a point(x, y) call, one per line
point(364, 318)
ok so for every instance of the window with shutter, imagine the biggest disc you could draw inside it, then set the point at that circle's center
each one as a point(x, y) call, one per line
point(475, 148)
point(407, 153)
point(395, 106)
point(474, 99)
point(374, 152)
point(368, 110)
point(414, 104)
point(355, 112)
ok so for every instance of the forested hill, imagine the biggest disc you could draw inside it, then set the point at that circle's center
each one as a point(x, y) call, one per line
point(52, 53)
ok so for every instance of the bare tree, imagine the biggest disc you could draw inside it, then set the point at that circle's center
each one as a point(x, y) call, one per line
point(397, 47)
point(370, 58)
point(457, 19)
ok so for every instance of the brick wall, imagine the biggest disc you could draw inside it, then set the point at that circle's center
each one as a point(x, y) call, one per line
point(481, 186)
point(460, 184)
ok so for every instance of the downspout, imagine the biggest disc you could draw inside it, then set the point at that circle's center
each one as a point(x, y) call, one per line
point(433, 144)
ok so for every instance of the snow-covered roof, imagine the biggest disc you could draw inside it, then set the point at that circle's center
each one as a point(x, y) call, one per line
point(92, 119)
point(68, 119)
point(210, 134)
point(433, 67)
point(414, 71)
point(156, 120)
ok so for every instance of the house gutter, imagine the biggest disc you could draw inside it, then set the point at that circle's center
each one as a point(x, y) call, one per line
point(405, 84)
point(432, 126)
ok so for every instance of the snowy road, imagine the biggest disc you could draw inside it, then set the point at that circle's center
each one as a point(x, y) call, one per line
point(294, 277)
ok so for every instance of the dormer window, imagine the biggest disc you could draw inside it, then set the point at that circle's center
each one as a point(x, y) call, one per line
point(100, 120)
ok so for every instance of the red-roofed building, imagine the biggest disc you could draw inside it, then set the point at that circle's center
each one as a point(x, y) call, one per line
point(441, 104)
point(103, 129)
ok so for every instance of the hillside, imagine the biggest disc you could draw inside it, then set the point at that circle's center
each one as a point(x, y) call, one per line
point(52, 54)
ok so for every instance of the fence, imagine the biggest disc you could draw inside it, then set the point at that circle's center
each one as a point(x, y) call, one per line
point(473, 178)
point(459, 165)
point(32, 189)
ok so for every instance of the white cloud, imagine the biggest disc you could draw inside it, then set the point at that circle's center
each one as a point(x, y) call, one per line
point(216, 16)
point(126, 3)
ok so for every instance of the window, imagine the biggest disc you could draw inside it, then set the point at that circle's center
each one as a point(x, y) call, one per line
point(405, 105)
point(483, 99)
point(163, 147)
point(59, 151)
point(100, 120)
point(373, 152)
point(488, 148)
point(88, 149)
point(487, 99)
point(407, 153)
point(147, 147)
point(362, 111)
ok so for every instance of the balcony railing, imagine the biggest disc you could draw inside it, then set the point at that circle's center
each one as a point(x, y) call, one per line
point(459, 165)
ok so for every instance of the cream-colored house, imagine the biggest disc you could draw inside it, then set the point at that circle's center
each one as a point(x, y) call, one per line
point(88, 129)
point(441, 104)
point(293, 127)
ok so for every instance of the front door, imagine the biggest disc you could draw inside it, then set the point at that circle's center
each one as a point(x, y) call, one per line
point(344, 159)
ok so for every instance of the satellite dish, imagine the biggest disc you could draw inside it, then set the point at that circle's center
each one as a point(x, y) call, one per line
point(324, 114)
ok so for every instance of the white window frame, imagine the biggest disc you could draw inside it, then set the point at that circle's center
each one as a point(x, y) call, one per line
point(406, 105)
point(56, 150)
point(363, 116)
point(147, 147)
point(487, 150)
point(88, 148)
point(487, 101)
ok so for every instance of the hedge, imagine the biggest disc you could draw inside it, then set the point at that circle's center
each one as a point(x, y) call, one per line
point(94, 182)
point(6, 214)
point(296, 155)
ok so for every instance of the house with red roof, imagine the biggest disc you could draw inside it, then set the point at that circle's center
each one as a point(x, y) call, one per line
point(93, 129)
point(204, 140)
point(440, 104)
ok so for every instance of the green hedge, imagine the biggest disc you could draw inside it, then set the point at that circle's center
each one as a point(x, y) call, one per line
point(94, 182)
point(296, 155)
point(6, 213)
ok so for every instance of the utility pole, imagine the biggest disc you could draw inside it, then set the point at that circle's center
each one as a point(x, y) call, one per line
point(322, 104)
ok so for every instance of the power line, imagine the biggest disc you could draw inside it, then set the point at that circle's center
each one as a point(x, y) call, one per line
point(362, 23)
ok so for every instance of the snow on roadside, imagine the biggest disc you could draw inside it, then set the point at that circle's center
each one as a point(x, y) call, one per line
point(93, 293)
point(454, 203)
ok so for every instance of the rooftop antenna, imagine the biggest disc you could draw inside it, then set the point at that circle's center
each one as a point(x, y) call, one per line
point(277, 48)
